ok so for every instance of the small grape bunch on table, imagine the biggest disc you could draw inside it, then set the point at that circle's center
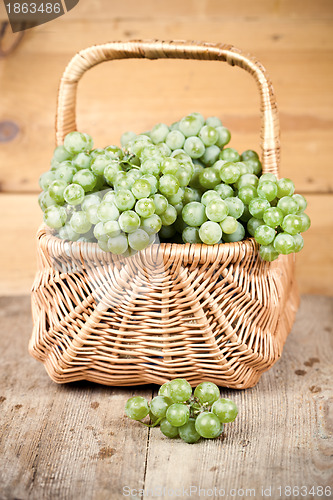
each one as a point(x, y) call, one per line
point(179, 413)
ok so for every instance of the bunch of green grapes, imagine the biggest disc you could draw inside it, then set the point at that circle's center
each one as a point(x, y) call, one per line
point(179, 413)
point(180, 182)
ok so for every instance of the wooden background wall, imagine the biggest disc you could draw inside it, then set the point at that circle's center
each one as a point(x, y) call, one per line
point(292, 38)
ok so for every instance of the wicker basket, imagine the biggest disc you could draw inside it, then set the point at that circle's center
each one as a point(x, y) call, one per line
point(216, 313)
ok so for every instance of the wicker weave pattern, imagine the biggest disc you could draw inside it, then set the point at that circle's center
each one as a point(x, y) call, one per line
point(204, 313)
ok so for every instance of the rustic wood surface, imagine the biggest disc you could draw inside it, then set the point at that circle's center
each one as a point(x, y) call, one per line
point(292, 38)
point(73, 441)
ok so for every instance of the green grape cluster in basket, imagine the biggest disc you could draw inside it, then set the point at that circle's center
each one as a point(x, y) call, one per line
point(180, 182)
point(179, 413)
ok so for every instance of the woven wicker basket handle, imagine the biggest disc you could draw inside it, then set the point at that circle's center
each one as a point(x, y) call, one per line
point(86, 59)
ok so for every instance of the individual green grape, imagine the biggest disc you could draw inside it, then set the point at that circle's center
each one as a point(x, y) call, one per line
point(138, 240)
point(66, 233)
point(224, 136)
point(79, 222)
point(264, 234)
point(82, 161)
point(126, 138)
point(235, 206)
point(160, 202)
point(184, 174)
point(118, 244)
point(86, 179)
point(253, 224)
point(190, 125)
point(306, 222)
point(245, 168)
point(288, 205)
point(164, 390)
point(169, 166)
point(153, 182)
point(267, 190)
point(100, 232)
point(138, 144)
point(209, 178)
point(258, 206)
point(210, 233)
point(103, 245)
point(55, 216)
point(164, 149)
point(90, 200)
point(114, 152)
point(56, 191)
point(247, 194)
point(137, 408)
point(152, 224)
point(109, 196)
point(177, 414)
point(285, 187)
point(237, 235)
point(194, 147)
point(207, 425)
point(213, 121)
point(292, 224)
point(267, 177)
point(107, 211)
point(145, 207)
point(210, 155)
point(169, 216)
point(284, 243)
point(76, 142)
point(150, 166)
point(188, 432)
point(229, 225)
point(74, 194)
point(208, 196)
point(61, 154)
point(247, 180)
point(159, 133)
point(249, 154)
point(159, 405)
point(268, 252)
point(96, 152)
point(175, 139)
point(217, 210)
point(299, 242)
point(301, 202)
point(100, 163)
point(134, 174)
point(111, 171)
point(191, 235)
point(168, 430)
point(224, 191)
point(168, 185)
point(65, 171)
point(180, 390)
point(111, 228)
point(191, 194)
point(273, 217)
point(208, 135)
point(207, 392)
point(230, 173)
point(219, 165)
point(229, 154)
point(124, 200)
point(194, 214)
point(225, 410)
point(129, 221)
point(150, 152)
point(46, 179)
point(123, 181)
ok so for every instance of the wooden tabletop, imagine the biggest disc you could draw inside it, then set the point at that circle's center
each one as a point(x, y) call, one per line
point(74, 442)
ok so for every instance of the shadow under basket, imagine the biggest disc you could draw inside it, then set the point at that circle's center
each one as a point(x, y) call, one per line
point(217, 313)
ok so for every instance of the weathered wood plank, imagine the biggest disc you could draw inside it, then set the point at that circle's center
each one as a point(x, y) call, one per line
point(22, 216)
point(73, 441)
point(112, 101)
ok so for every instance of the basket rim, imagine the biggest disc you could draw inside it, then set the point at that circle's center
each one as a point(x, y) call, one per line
point(187, 251)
